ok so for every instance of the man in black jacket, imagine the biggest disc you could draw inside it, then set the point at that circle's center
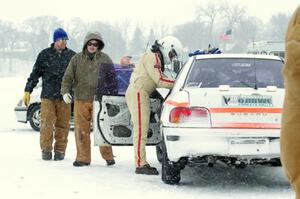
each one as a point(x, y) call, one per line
point(51, 64)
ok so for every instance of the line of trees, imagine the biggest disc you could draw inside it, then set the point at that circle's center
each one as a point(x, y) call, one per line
point(24, 41)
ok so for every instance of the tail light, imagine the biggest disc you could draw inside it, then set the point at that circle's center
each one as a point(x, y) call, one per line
point(190, 115)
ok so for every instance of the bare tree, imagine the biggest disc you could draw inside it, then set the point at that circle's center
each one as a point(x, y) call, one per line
point(232, 14)
point(5, 29)
point(208, 14)
point(137, 43)
point(151, 38)
point(10, 41)
point(247, 31)
point(39, 31)
point(161, 30)
point(193, 35)
point(115, 45)
point(76, 30)
point(277, 26)
point(124, 26)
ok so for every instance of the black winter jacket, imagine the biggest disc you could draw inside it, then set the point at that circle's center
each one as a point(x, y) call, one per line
point(51, 66)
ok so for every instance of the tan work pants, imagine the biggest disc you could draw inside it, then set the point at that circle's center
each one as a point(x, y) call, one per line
point(138, 103)
point(55, 122)
point(83, 111)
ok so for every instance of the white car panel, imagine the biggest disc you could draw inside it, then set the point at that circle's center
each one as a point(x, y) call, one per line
point(244, 122)
point(112, 124)
point(193, 142)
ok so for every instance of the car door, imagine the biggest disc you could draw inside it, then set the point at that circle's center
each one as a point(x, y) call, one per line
point(112, 122)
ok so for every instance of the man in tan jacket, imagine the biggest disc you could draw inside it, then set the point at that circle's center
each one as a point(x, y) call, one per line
point(82, 74)
point(290, 131)
point(146, 77)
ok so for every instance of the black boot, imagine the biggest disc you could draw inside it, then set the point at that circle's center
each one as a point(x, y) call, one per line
point(110, 162)
point(147, 170)
point(80, 164)
point(46, 155)
point(58, 155)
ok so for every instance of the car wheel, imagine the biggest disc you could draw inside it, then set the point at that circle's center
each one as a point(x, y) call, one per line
point(34, 117)
point(159, 152)
point(170, 171)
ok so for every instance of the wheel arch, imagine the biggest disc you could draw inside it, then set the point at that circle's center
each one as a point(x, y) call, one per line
point(31, 106)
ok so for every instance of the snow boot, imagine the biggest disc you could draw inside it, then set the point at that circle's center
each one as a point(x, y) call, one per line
point(110, 162)
point(147, 170)
point(58, 156)
point(80, 164)
point(46, 155)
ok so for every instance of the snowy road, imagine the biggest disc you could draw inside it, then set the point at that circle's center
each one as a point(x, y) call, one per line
point(24, 175)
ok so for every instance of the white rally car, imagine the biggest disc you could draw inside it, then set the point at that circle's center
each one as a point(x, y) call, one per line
point(223, 108)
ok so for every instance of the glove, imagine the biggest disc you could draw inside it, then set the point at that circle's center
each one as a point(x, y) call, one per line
point(26, 98)
point(67, 98)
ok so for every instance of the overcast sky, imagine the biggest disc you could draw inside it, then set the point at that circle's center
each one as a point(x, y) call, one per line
point(170, 12)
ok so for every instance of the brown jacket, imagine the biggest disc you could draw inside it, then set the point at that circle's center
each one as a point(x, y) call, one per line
point(290, 130)
point(148, 75)
point(82, 72)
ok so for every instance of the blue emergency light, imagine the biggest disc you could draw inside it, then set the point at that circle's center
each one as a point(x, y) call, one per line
point(205, 52)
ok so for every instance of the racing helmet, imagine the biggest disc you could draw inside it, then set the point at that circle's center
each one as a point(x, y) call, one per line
point(170, 47)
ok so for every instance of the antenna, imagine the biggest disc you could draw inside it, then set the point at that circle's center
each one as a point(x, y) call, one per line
point(146, 47)
point(255, 85)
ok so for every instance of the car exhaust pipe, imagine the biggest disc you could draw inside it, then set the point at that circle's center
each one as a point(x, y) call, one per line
point(211, 161)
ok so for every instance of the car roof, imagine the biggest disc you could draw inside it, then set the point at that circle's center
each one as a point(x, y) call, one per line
point(253, 56)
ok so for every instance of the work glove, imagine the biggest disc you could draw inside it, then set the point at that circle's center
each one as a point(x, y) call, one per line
point(67, 98)
point(26, 98)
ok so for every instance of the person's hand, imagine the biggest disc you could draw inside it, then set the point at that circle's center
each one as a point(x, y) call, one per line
point(26, 98)
point(67, 98)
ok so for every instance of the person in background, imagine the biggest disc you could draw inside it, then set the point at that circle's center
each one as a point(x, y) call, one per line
point(51, 64)
point(126, 61)
point(290, 128)
point(81, 74)
point(146, 77)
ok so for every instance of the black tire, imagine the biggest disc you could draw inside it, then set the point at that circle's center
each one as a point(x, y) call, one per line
point(159, 153)
point(34, 116)
point(170, 173)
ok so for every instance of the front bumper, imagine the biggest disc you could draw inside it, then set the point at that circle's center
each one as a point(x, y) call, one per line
point(243, 143)
point(21, 114)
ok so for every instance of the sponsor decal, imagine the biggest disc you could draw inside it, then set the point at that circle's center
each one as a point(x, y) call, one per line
point(247, 100)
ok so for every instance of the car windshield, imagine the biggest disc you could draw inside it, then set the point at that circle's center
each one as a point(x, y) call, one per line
point(235, 72)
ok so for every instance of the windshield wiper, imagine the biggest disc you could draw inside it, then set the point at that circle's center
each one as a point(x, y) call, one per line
point(246, 84)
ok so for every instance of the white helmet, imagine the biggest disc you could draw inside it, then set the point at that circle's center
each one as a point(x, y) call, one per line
point(170, 47)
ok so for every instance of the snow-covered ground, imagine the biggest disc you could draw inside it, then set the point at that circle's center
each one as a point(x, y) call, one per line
point(24, 175)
